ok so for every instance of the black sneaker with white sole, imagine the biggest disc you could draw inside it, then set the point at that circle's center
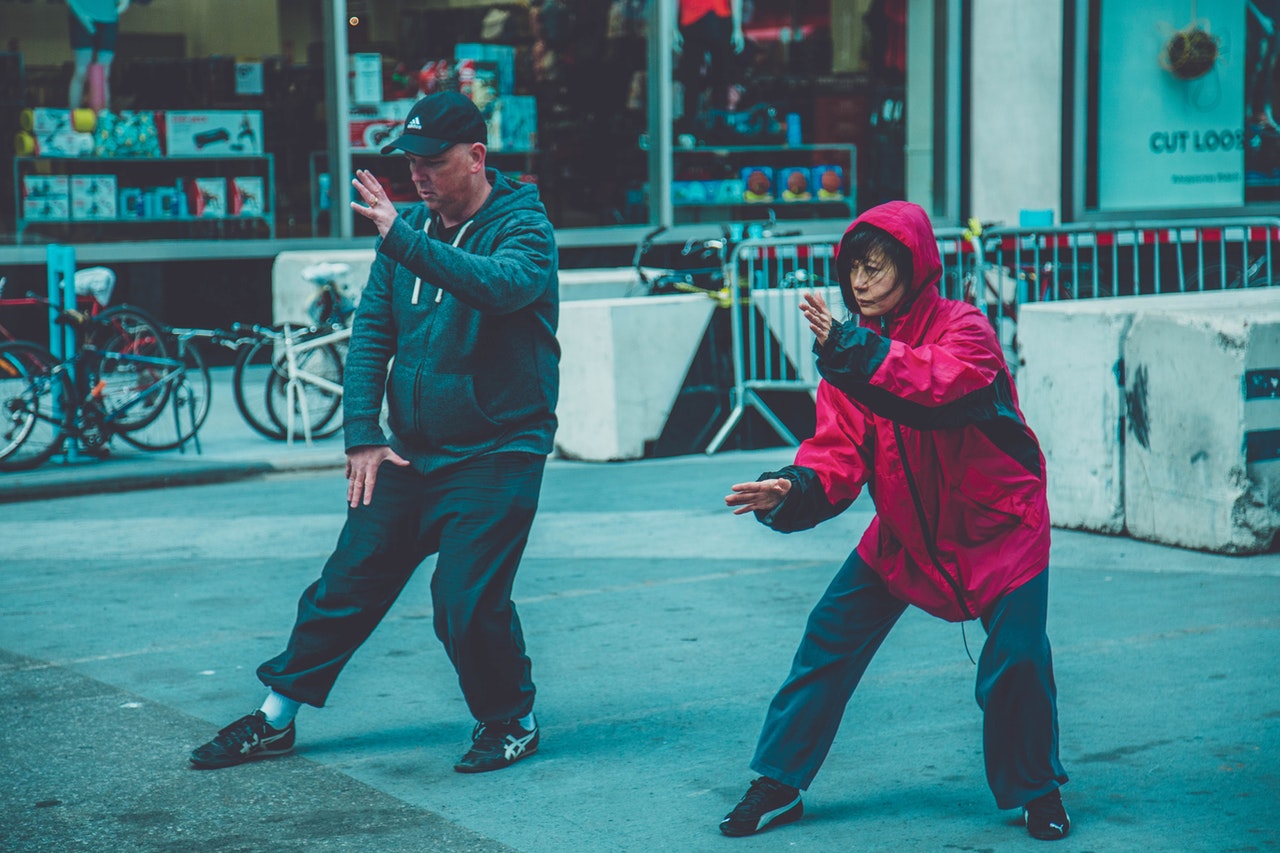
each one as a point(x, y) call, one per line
point(766, 803)
point(1046, 817)
point(247, 739)
point(498, 745)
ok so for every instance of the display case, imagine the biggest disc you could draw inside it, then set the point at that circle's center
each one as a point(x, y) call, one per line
point(717, 184)
point(177, 197)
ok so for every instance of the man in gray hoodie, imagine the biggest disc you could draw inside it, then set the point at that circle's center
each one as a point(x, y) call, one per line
point(462, 303)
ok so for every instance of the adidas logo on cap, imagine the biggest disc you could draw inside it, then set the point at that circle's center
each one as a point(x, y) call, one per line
point(414, 124)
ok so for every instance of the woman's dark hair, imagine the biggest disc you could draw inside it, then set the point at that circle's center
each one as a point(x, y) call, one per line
point(866, 240)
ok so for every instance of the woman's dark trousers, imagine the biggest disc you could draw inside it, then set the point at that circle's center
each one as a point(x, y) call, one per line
point(1015, 686)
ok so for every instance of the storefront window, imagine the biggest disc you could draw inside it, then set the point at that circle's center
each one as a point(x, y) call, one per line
point(211, 122)
point(800, 115)
point(190, 119)
point(1181, 107)
point(561, 81)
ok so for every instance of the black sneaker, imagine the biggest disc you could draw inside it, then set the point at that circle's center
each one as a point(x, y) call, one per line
point(247, 739)
point(498, 745)
point(1046, 818)
point(767, 802)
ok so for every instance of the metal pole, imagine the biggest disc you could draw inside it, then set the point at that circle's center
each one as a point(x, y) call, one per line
point(61, 273)
point(338, 107)
point(662, 25)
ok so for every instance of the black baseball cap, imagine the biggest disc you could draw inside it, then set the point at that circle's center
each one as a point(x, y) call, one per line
point(438, 121)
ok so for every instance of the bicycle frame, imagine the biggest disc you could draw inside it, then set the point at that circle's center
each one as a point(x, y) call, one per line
point(296, 377)
point(74, 423)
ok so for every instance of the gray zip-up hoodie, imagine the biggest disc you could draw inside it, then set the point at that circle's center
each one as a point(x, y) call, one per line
point(472, 331)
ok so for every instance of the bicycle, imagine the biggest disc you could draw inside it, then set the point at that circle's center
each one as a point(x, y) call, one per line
point(288, 372)
point(120, 382)
point(93, 287)
point(291, 374)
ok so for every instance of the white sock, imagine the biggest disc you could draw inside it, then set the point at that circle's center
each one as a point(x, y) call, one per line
point(527, 722)
point(279, 710)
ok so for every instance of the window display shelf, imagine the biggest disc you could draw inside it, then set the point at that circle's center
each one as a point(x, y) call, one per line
point(715, 183)
point(172, 197)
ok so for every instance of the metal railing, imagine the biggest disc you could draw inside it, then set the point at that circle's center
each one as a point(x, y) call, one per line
point(996, 268)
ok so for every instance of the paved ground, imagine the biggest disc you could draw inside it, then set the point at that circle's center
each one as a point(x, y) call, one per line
point(659, 626)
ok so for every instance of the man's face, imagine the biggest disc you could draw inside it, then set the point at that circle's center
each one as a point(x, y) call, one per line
point(444, 179)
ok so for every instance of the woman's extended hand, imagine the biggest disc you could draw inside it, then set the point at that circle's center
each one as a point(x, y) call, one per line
point(815, 310)
point(759, 496)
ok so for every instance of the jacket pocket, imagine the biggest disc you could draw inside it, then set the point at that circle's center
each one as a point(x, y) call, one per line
point(448, 415)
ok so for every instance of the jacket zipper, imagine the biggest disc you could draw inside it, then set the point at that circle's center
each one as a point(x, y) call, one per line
point(930, 542)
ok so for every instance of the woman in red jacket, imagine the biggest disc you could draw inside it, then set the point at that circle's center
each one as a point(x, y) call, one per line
point(916, 404)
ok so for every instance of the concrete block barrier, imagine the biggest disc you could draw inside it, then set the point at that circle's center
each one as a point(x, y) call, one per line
point(1072, 366)
point(1071, 397)
point(1202, 449)
point(622, 364)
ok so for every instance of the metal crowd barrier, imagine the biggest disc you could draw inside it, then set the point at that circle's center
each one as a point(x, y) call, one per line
point(772, 345)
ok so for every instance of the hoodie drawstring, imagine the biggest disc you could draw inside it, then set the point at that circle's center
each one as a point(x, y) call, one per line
point(417, 282)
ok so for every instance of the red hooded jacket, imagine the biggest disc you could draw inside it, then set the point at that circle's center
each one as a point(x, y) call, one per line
point(919, 407)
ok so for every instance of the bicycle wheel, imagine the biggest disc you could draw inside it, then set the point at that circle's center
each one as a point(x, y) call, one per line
point(35, 401)
point(188, 406)
point(127, 375)
point(253, 368)
point(315, 404)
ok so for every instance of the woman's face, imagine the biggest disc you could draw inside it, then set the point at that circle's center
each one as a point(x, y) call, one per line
point(875, 284)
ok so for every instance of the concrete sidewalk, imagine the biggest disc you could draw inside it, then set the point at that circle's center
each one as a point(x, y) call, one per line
point(659, 626)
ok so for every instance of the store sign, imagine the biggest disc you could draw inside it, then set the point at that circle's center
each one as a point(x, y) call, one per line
point(1171, 104)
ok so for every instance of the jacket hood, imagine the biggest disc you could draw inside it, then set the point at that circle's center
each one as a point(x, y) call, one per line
point(910, 225)
point(507, 198)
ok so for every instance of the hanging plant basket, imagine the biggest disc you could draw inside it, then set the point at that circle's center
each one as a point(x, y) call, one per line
point(1190, 52)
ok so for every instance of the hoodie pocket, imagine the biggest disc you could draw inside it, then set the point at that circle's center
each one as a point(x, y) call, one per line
point(448, 415)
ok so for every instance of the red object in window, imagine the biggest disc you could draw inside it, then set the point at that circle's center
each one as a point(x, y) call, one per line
point(693, 10)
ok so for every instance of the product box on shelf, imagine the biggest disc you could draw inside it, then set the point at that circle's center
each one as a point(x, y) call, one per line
point(501, 56)
point(166, 202)
point(248, 196)
point(93, 196)
point(478, 80)
point(35, 187)
point(209, 197)
point(685, 193)
point(758, 183)
point(794, 182)
point(727, 191)
point(371, 126)
point(127, 134)
point(366, 77)
point(46, 208)
point(829, 181)
point(54, 133)
point(218, 133)
point(513, 124)
point(130, 203)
